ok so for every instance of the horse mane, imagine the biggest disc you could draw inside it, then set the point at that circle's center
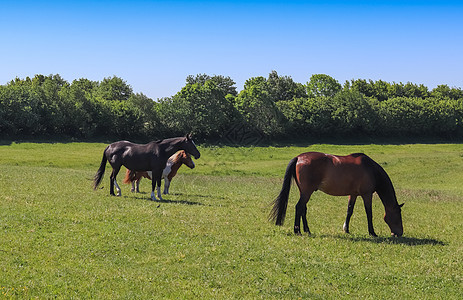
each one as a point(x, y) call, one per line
point(360, 154)
point(163, 140)
point(384, 187)
point(176, 157)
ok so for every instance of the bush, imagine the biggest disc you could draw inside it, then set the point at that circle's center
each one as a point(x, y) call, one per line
point(210, 107)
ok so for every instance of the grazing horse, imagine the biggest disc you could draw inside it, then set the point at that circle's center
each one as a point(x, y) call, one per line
point(352, 175)
point(173, 164)
point(148, 157)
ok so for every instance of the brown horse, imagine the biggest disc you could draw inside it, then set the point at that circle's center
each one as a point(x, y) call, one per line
point(173, 164)
point(148, 157)
point(352, 175)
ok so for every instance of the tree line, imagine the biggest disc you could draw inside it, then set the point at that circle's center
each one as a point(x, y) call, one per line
point(274, 107)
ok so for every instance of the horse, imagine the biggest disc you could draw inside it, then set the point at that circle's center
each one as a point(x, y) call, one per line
point(352, 175)
point(173, 164)
point(142, 157)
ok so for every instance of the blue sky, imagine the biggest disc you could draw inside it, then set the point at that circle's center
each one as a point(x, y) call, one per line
point(155, 45)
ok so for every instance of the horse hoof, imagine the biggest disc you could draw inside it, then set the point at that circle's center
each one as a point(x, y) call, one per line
point(345, 228)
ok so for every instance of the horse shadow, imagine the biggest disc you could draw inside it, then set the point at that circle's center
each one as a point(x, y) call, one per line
point(409, 241)
point(186, 202)
point(142, 196)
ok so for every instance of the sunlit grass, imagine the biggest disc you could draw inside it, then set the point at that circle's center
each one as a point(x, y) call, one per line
point(211, 237)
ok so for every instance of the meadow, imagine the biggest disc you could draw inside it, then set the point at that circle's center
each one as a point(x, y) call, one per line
point(211, 239)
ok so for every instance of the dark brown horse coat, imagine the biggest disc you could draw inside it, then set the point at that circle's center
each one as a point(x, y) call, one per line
point(352, 175)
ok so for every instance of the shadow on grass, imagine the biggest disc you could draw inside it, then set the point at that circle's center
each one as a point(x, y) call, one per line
point(180, 202)
point(140, 196)
point(409, 241)
point(183, 194)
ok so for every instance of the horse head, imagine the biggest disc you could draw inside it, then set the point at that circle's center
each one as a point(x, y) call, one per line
point(186, 159)
point(190, 147)
point(393, 218)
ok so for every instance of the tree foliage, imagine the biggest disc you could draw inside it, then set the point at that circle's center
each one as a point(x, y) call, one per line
point(203, 107)
point(321, 85)
point(210, 106)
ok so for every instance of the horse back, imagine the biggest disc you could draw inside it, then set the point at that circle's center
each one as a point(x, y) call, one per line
point(335, 175)
point(138, 157)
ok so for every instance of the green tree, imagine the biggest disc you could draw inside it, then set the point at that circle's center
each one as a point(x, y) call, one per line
point(353, 114)
point(204, 109)
point(258, 108)
point(55, 110)
point(362, 86)
point(284, 88)
point(82, 113)
point(20, 108)
point(145, 108)
point(321, 85)
point(309, 116)
point(412, 90)
point(225, 84)
point(126, 122)
point(114, 88)
point(444, 91)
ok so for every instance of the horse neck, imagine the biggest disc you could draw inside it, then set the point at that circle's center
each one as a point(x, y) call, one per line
point(175, 161)
point(171, 146)
point(385, 189)
point(176, 165)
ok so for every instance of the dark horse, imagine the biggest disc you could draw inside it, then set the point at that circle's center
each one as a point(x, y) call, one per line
point(148, 157)
point(353, 175)
point(173, 164)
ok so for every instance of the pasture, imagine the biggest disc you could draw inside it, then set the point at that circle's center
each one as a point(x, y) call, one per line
point(210, 239)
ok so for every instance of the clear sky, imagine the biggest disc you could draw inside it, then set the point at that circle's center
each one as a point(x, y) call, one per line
point(155, 45)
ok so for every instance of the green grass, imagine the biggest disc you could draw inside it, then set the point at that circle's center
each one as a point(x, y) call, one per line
point(211, 238)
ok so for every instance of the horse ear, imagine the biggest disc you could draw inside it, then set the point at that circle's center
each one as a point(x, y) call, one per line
point(400, 205)
point(188, 136)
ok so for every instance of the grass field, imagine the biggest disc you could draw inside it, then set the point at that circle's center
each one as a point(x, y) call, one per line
point(211, 238)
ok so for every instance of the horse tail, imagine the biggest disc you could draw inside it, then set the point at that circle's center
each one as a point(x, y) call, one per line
point(129, 176)
point(100, 173)
point(280, 204)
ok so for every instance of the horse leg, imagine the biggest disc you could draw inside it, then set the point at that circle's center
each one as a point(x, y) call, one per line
point(159, 188)
point(113, 182)
point(166, 185)
point(132, 189)
point(137, 184)
point(156, 179)
point(118, 189)
point(304, 219)
point(301, 213)
point(153, 186)
point(367, 200)
point(350, 211)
